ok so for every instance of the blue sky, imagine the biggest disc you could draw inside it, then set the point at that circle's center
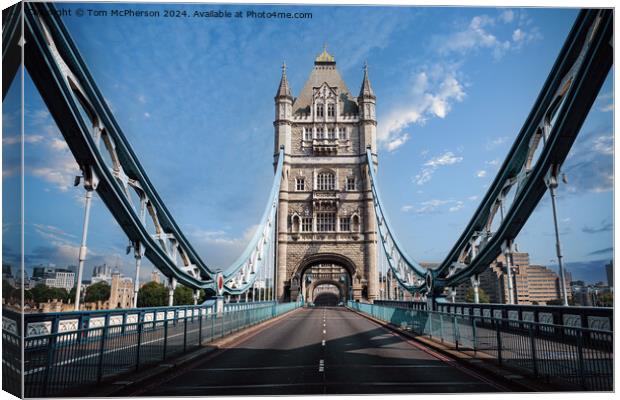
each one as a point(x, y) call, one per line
point(195, 99)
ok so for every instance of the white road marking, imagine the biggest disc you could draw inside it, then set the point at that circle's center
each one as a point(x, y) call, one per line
point(323, 342)
point(321, 365)
point(323, 331)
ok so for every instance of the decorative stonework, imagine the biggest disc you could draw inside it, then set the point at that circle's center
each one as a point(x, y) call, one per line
point(38, 328)
point(599, 323)
point(9, 325)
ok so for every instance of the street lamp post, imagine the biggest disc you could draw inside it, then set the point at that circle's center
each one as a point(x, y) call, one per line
point(552, 183)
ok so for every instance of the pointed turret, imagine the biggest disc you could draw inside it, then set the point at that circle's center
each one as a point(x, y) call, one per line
point(366, 89)
point(284, 90)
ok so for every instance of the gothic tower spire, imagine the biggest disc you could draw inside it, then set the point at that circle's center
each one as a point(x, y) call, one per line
point(284, 90)
point(366, 89)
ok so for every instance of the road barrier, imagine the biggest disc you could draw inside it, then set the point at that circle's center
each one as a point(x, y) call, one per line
point(581, 357)
point(76, 356)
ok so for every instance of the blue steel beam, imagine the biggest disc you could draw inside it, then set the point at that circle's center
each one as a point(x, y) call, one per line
point(540, 149)
point(84, 118)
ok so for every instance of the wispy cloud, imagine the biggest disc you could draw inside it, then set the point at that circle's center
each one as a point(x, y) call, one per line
point(425, 175)
point(433, 206)
point(432, 93)
point(481, 173)
point(480, 33)
point(589, 165)
point(496, 142)
point(604, 226)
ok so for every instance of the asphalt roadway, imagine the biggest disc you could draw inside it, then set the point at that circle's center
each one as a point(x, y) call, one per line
point(327, 350)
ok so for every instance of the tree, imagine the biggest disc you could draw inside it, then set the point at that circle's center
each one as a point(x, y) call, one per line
point(482, 296)
point(10, 292)
point(606, 299)
point(44, 293)
point(152, 294)
point(183, 296)
point(99, 291)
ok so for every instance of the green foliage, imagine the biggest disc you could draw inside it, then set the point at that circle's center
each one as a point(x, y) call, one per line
point(482, 296)
point(99, 291)
point(606, 300)
point(183, 296)
point(10, 292)
point(44, 293)
point(152, 294)
point(560, 302)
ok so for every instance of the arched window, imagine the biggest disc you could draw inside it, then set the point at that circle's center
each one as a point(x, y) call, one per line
point(326, 181)
point(295, 223)
point(331, 110)
point(355, 223)
point(319, 110)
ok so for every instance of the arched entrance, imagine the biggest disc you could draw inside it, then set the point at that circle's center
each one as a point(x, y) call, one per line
point(326, 269)
point(327, 294)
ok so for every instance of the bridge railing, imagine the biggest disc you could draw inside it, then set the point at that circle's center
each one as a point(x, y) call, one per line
point(74, 357)
point(572, 356)
point(600, 318)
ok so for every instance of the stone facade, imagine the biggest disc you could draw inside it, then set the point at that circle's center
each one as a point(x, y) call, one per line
point(325, 213)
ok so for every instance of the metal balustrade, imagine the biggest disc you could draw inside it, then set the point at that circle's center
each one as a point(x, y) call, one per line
point(600, 318)
point(76, 355)
point(572, 356)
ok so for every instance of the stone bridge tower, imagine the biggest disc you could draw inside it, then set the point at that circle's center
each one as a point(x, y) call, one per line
point(325, 214)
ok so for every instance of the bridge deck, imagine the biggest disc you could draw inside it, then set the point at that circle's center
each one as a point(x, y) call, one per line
point(321, 350)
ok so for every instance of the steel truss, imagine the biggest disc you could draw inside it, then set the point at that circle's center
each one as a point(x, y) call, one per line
point(531, 167)
point(113, 170)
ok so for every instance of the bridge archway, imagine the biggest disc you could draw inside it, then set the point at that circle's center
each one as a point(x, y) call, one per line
point(326, 269)
point(327, 294)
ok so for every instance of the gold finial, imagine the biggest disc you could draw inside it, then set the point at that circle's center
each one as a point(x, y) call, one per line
point(325, 56)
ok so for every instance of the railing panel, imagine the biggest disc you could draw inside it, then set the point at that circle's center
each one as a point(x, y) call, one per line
point(580, 357)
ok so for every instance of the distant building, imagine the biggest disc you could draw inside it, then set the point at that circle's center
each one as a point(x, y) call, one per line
point(102, 273)
point(532, 284)
point(155, 277)
point(121, 292)
point(62, 278)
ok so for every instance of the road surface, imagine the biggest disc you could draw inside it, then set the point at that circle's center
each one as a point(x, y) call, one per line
point(321, 351)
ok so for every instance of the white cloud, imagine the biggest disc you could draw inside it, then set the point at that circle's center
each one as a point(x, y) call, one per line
point(424, 176)
point(456, 207)
point(473, 198)
point(58, 144)
point(406, 208)
point(507, 16)
point(142, 99)
point(493, 143)
point(434, 206)
point(396, 142)
point(492, 162)
point(478, 35)
point(518, 35)
point(447, 158)
point(607, 108)
point(147, 115)
point(481, 174)
point(15, 139)
point(604, 145)
point(432, 93)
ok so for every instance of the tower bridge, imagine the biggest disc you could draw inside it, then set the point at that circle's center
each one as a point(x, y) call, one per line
point(324, 234)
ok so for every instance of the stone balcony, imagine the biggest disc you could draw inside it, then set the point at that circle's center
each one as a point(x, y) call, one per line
point(325, 199)
point(325, 146)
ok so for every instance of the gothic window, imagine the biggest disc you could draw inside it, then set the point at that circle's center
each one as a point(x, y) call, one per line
point(319, 133)
point(355, 223)
point(330, 110)
point(351, 183)
point(307, 134)
point(295, 223)
point(326, 221)
point(330, 133)
point(326, 181)
point(306, 224)
point(300, 184)
point(319, 110)
point(345, 224)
